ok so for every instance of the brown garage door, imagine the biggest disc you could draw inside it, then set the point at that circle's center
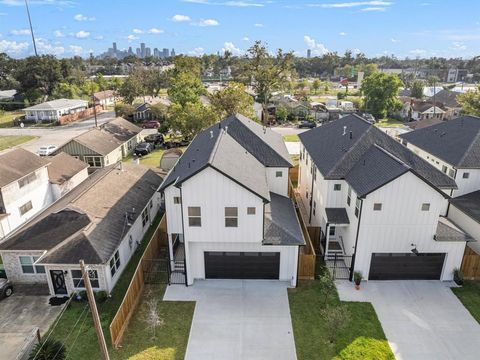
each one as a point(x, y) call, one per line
point(242, 265)
point(406, 266)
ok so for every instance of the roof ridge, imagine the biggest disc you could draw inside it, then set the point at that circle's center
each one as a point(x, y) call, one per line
point(394, 157)
point(215, 147)
point(340, 161)
point(467, 152)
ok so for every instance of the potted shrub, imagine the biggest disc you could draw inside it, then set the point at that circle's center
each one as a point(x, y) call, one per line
point(458, 276)
point(357, 279)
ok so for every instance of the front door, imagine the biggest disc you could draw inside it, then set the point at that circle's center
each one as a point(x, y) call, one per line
point(58, 282)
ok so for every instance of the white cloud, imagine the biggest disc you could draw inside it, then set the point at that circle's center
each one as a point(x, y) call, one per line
point(418, 52)
point(20, 32)
point(356, 51)
point(394, 40)
point(137, 31)
point(230, 47)
point(258, 25)
point(80, 17)
point(75, 50)
point(180, 18)
point(458, 45)
point(155, 31)
point(198, 51)
point(82, 34)
point(245, 38)
point(58, 34)
point(99, 37)
point(12, 47)
point(208, 22)
point(132, 37)
point(373, 9)
point(353, 4)
point(318, 49)
point(342, 33)
point(45, 47)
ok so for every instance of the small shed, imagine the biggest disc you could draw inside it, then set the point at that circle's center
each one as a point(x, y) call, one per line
point(169, 159)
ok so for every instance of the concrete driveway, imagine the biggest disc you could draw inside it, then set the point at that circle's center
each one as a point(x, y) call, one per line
point(19, 315)
point(422, 320)
point(238, 319)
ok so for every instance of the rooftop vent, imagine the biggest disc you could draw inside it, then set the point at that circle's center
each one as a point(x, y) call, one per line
point(211, 135)
point(344, 131)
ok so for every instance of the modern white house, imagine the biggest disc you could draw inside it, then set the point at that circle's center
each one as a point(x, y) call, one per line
point(29, 183)
point(227, 206)
point(380, 207)
point(53, 110)
point(453, 147)
point(104, 145)
point(102, 221)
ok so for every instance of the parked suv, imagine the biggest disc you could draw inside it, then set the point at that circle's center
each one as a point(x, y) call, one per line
point(6, 288)
point(152, 124)
point(307, 124)
point(143, 148)
point(155, 139)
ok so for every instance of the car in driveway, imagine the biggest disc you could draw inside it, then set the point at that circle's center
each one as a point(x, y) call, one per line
point(143, 149)
point(369, 117)
point(151, 124)
point(46, 150)
point(176, 143)
point(155, 139)
point(6, 288)
point(306, 124)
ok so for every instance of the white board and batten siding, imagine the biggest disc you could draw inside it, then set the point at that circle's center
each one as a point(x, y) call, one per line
point(401, 223)
point(277, 180)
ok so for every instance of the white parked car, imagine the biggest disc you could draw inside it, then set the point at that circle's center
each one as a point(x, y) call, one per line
point(46, 150)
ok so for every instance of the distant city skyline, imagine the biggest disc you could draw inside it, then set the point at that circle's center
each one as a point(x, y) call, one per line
point(405, 28)
point(141, 52)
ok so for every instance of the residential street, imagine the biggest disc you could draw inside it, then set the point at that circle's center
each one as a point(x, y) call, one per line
point(422, 320)
point(56, 135)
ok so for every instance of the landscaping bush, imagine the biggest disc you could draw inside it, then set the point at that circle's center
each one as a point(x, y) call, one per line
point(82, 294)
point(366, 349)
point(341, 95)
point(100, 296)
point(48, 350)
point(458, 276)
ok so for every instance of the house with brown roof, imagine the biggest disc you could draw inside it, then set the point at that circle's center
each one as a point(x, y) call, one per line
point(102, 221)
point(447, 100)
point(416, 110)
point(104, 145)
point(104, 98)
point(29, 183)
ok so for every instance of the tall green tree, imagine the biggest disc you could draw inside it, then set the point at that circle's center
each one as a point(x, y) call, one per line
point(190, 118)
point(470, 102)
point(231, 100)
point(417, 89)
point(380, 91)
point(266, 73)
point(185, 87)
point(130, 89)
point(316, 85)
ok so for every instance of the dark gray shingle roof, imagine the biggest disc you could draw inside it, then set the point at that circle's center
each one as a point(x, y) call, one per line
point(468, 204)
point(263, 144)
point(17, 163)
point(449, 231)
point(336, 155)
point(281, 222)
point(447, 98)
point(456, 141)
point(337, 216)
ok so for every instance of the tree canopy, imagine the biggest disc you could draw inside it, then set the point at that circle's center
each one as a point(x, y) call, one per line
point(470, 102)
point(380, 91)
point(232, 99)
point(417, 89)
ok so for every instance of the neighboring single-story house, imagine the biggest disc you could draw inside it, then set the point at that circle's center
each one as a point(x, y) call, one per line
point(420, 110)
point(447, 100)
point(65, 173)
point(104, 145)
point(142, 112)
point(53, 110)
point(104, 98)
point(102, 221)
point(8, 95)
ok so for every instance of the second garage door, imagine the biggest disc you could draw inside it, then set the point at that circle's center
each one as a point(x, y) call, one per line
point(242, 265)
point(406, 266)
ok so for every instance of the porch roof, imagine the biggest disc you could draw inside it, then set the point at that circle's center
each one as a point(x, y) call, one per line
point(337, 216)
point(449, 231)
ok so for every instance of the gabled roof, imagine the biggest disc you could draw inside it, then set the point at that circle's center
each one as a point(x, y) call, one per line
point(17, 163)
point(468, 204)
point(58, 104)
point(337, 216)
point(281, 223)
point(102, 95)
point(447, 98)
point(90, 221)
point(341, 156)
point(243, 144)
point(457, 141)
point(121, 129)
point(63, 167)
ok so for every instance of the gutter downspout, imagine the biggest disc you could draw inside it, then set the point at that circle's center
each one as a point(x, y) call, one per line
point(352, 266)
point(311, 194)
point(184, 242)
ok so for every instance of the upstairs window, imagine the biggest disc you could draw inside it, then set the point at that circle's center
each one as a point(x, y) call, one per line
point(377, 207)
point(251, 211)
point(466, 175)
point(278, 174)
point(27, 180)
point(194, 216)
point(25, 208)
point(425, 207)
point(145, 217)
point(337, 187)
point(93, 161)
point(177, 200)
point(451, 173)
point(444, 169)
point(231, 217)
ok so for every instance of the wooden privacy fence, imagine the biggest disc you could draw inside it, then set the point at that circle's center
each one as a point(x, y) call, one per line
point(135, 290)
point(307, 256)
point(471, 264)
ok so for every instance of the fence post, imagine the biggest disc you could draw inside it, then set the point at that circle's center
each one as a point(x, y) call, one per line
point(334, 265)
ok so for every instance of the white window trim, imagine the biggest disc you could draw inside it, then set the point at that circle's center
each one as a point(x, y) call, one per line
point(35, 272)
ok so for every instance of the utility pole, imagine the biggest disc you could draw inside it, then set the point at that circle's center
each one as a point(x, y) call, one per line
point(31, 28)
point(93, 309)
point(94, 108)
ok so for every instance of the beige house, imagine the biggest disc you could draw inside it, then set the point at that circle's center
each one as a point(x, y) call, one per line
point(53, 110)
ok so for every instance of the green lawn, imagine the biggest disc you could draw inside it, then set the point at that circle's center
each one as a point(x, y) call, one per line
point(7, 142)
point(152, 159)
point(6, 118)
point(469, 295)
point(171, 338)
point(361, 338)
point(389, 123)
point(291, 138)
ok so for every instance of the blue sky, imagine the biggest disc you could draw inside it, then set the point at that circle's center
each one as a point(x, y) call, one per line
point(421, 28)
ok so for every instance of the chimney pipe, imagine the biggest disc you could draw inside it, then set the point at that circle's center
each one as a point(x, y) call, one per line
point(351, 135)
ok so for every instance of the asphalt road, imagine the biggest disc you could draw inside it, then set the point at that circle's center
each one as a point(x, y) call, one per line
point(56, 135)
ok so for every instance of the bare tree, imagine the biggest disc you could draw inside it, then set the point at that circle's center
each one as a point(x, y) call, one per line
point(152, 317)
point(336, 318)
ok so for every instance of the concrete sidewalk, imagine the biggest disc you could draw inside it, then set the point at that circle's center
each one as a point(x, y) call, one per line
point(238, 319)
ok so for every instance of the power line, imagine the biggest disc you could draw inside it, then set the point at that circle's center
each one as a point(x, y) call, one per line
point(31, 28)
point(76, 337)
